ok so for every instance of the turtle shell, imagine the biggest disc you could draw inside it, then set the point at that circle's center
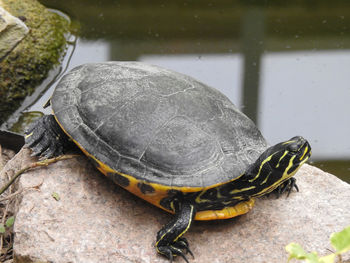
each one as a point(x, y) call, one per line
point(155, 125)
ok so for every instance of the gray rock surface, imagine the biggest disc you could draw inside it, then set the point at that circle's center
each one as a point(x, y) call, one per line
point(5, 156)
point(12, 31)
point(96, 221)
point(28, 64)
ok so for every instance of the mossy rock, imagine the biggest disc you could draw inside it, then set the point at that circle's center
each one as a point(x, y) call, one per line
point(29, 63)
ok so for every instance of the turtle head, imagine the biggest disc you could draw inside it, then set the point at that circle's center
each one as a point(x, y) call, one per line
point(279, 163)
point(288, 156)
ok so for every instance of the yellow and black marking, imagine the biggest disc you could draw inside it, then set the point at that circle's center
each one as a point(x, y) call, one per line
point(145, 188)
point(262, 165)
point(117, 178)
point(28, 135)
point(163, 196)
point(281, 158)
point(274, 167)
point(221, 201)
point(169, 239)
point(240, 208)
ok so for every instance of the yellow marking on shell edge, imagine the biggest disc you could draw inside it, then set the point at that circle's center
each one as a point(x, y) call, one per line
point(227, 212)
point(161, 191)
point(284, 154)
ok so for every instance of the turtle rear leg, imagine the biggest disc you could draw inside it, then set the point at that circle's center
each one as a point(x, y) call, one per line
point(170, 242)
point(46, 138)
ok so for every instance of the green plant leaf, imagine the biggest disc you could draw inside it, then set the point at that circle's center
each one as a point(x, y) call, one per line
point(2, 229)
point(295, 249)
point(10, 221)
point(56, 196)
point(328, 259)
point(297, 252)
point(341, 240)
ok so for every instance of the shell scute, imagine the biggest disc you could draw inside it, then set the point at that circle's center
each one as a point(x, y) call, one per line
point(155, 125)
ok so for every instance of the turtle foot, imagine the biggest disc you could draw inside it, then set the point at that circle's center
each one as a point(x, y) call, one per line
point(286, 187)
point(46, 138)
point(177, 248)
point(170, 242)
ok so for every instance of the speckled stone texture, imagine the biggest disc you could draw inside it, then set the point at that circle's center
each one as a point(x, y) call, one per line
point(12, 31)
point(5, 156)
point(96, 221)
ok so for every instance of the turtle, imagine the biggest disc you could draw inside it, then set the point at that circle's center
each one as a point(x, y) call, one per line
point(170, 140)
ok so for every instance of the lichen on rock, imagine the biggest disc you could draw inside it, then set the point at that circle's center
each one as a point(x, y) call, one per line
point(30, 61)
point(12, 32)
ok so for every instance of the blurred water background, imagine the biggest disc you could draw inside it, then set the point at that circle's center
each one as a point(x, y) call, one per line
point(285, 64)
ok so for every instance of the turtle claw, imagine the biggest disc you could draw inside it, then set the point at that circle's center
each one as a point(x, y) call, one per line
point(179, 247)
point(173, 250)
point(170, 242)
point(46, 138)
point(286, 187)
point(182, 243)
point(178, 252)
point(166, 251)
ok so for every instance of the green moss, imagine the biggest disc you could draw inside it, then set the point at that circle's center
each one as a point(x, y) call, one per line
point(29, 63)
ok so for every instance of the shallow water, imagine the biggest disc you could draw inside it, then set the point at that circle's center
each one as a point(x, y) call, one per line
point(286, 66)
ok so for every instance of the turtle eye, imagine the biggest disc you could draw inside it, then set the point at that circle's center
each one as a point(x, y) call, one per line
point(293, 147)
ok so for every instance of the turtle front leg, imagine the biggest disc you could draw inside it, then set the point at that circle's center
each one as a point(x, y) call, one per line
point(286, 187)
point(170, 242)
point(46, 138)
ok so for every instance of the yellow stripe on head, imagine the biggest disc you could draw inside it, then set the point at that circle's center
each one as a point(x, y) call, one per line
point(284, 154)
point(260, 168)
point(288, 142)
point(305, 151)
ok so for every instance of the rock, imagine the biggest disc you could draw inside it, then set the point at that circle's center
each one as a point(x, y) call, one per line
point(7, 170)
point(29, 62)
point(97, 221)
point(12, 31)
point(5, 156)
